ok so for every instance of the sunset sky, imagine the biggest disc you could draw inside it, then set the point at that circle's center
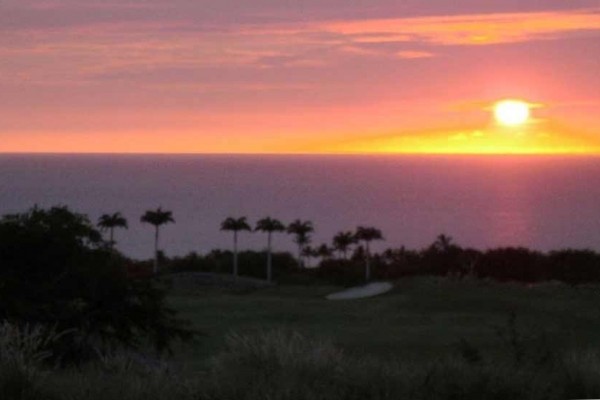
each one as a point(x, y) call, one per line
point(312, 76)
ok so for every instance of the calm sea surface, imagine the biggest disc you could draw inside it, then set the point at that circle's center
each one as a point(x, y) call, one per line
point(539, 202)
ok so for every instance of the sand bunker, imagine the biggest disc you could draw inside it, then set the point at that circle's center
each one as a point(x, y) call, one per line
point(359, 292)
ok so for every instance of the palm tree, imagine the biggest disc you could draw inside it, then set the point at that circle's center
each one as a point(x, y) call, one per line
point(301, 231)
point(308, 253)
point(270, 226)
point(443, 243)
point(342, 241)
point(236, 225)
point(157, 218)
point(110, 222)
point(367, 235)
point(324, 251)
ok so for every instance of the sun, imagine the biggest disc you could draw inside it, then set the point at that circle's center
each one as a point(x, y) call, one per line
point(511, 112)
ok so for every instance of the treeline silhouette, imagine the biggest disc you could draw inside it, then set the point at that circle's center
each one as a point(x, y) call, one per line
point(348, 258)
point(509, 264)
point(300, 230)
point(443, 258)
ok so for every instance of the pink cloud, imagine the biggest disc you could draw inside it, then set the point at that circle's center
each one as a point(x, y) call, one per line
point(414, 54)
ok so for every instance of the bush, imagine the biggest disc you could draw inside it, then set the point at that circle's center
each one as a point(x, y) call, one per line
point(513, 264)
point(252, 263)
point(343, 272)
point(574, 266)
point(57, 272)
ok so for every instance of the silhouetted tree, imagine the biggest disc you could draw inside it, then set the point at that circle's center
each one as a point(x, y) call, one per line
point(401, 262)
point(235, 225)
point(309, 253)
point(367, 235)
point(513, 264)
point(56, 271)
point(469, 258)
point(358, 253)
point(301, 231)
point(443, 243)
point(157, 218)
point(110, 222)
point(324, 251)
point(443, 257)
point(394, 256)
point(574, 266)
point(342, 242)
point(270, 226)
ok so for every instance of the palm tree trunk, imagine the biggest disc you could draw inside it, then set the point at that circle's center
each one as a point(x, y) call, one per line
point(156, 250)
point(269, 261)
point(112, 230)
point(368, 263)
point(235, 257)
point(300, 261)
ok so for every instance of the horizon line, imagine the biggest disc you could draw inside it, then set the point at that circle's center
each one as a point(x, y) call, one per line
point(389, 153)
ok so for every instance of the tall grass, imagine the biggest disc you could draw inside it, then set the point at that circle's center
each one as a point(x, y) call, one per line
point(22, 351)
point(285, 365)
point(121, 377)
point(26, 374)
point(280, 365)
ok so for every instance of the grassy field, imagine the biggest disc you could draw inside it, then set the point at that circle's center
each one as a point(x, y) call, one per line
point(421, 320)
point(429, 339)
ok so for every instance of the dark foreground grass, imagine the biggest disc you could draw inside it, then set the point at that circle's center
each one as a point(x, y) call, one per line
point(429, 339)
point(421, 320)
point(283, 365)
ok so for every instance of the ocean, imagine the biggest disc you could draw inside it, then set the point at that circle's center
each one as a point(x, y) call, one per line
point(540, 202)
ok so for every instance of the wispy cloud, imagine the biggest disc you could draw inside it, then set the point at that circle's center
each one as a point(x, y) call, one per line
point(483, 29)
point(140, 46)
point(414, 54)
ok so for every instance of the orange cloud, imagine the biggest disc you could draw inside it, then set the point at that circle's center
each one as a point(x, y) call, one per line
point(469, 29)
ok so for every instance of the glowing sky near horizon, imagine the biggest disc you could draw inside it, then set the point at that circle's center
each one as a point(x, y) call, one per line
point(283, 76)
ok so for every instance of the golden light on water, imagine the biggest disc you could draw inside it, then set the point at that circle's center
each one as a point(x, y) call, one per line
point(511, 112)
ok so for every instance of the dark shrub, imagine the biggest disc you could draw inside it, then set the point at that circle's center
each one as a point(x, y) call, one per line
point(342, 272)
point(443, 257)
point(399, 263)
point(251, 263)
point(55, 270)
point(512, 264)
point(574, 266)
